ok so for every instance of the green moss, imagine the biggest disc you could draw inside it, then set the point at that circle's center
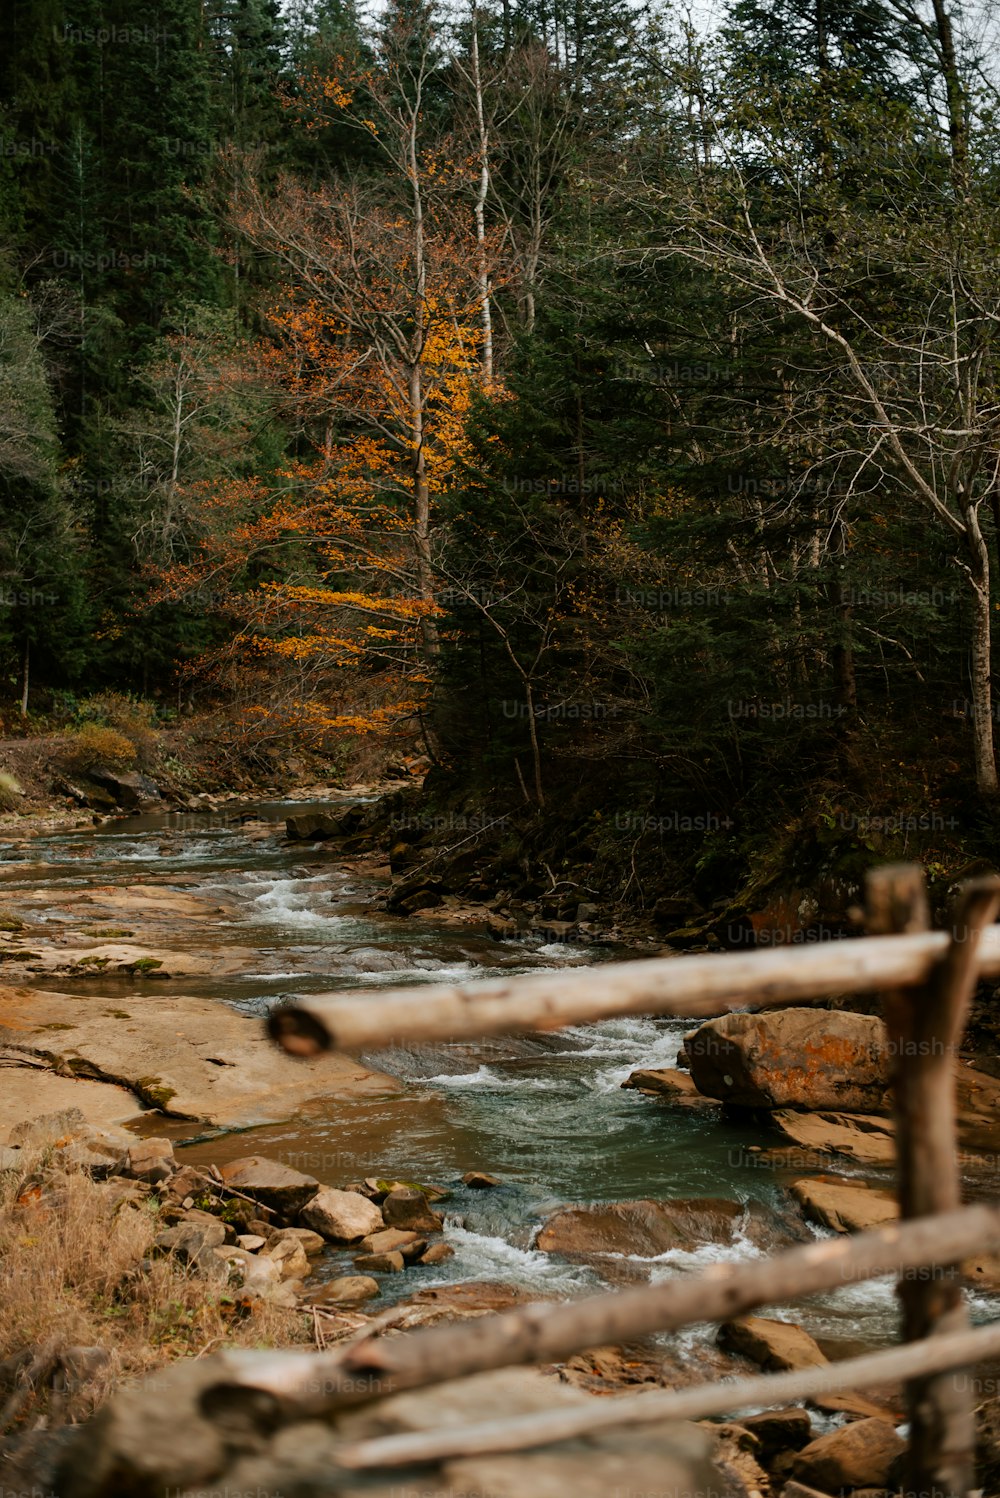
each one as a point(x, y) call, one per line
point(106, 933)
point(142, 965)
point(154, 1090)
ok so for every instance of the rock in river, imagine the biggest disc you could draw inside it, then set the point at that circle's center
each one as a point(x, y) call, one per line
point(649, 1228)
point(343, 1216)
point(793, 1058)
point(277, 1186)
point(860, 1455)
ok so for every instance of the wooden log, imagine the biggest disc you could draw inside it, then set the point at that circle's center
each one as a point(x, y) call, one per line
point(300, 1385)
point(691, 987)
point(924, 1027)
point(933, 1355)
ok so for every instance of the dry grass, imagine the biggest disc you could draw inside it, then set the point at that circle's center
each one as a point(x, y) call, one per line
point(72, 1274)
point(94, 744)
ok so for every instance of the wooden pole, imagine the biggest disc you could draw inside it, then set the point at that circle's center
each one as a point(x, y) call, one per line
point(302, 1385)
point(924, 1027)
point(690, 987)
point(932, 1356)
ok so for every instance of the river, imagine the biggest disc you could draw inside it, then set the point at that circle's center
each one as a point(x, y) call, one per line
point(546, 1115)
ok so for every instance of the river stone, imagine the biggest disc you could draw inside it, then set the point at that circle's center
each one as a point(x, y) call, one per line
point(252, 1242)
point(775, 1346)
point(779, 1430)
point(390, 1263)
point(391, 1240)
point(312, 1243)
point(150, 1160)
point(858, 1136)
point(437, 1254)
point(859, 1455)
point(313, 826)
point(191, 1241)
point(813, 1059)
point(671, 1084)
point(290, 1257)
point(347, 1290)
point(342, 1216)
point(844, 1206)
point(277, 1186)
point(479, 1180)
point(408, 1208)
point(647, 1229)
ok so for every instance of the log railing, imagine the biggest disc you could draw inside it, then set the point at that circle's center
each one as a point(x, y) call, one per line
point(926, 979)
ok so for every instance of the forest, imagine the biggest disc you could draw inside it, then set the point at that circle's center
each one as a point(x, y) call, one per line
point(604, 405)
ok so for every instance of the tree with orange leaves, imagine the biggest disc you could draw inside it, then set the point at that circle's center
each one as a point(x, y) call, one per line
point(378, 339)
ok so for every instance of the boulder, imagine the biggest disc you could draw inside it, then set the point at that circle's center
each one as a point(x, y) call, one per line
point(670, 1084)
point(129, 788)
point(859, 1455)
point(811, 1059)
point(408, 1208)
point(315, 826)
point(844, 1206)
point(479, 1180)
point(284, 1190)
point(858, 1136)
point(647, 1229)
point(342, 1216)
point(150, 1160)
point(348, 1290)
point(775, 1346)
point(391, 1263)
point(252, 1242)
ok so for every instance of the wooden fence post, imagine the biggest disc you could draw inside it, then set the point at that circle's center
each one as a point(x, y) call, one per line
point(924, 1028)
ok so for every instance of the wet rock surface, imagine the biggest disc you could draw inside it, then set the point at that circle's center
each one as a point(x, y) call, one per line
point(793, 1058)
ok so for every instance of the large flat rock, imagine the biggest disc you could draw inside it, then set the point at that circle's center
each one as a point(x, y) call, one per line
point(857, 1136)
point(192, 1058)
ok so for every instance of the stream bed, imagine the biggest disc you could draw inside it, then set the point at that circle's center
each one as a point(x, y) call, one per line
point(545, 1114)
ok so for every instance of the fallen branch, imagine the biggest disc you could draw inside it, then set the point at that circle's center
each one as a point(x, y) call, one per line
point(301, 1385)
point(912, 1359)
point(690, 987)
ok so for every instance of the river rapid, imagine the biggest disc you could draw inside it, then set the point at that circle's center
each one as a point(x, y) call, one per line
point(545, 1114)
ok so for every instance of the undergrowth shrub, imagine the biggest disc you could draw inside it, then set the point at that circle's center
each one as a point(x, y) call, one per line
point(76, 1271)
point(10, 792)
point(94, 744)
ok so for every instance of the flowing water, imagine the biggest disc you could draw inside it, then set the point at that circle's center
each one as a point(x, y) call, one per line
point(545, 1114)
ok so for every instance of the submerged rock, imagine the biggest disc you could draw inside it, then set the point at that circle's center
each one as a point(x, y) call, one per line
point(649, 1228)
point(672, 1085)
point(813, 1059)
